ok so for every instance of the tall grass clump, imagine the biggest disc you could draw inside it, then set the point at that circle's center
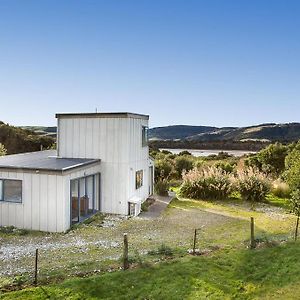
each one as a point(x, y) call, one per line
point(281, 189)
point(208, 183)
point(252, 185)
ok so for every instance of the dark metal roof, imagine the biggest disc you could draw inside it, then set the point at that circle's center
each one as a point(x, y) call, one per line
point(102, 115)
point(44, 161)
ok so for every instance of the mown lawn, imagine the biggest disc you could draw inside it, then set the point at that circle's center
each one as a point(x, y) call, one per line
point(269, 273)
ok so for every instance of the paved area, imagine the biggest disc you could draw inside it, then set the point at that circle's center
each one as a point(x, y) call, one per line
point(156, 209)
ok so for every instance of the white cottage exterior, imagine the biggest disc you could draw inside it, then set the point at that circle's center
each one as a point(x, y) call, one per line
point(101, 164)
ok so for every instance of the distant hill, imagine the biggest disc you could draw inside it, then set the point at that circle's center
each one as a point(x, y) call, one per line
point(18, 140)
point(42, 130)
point(264, 132)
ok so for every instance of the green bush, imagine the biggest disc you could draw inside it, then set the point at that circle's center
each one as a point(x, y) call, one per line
point(225, 166)
point(161, 187)
point(270, 159)
point(210, 183)
point(185, 152)
point(183, 163)
point(292, 169)
point(163, 169)
point(280, 189)
point(253, 185)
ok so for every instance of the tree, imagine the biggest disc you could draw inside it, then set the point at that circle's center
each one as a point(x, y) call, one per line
point(163, 169)
point(270, 160)
point(295, 208)
point(183, 163)
point(292, 176)
point(3, 150)
point(292, 169)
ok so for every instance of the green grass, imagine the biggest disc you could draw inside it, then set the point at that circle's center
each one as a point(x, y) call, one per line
point(279, 202)
point(269, 273)
point(229, 271)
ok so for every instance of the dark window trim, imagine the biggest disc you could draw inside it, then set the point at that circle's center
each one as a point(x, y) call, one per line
point(136, 183)
point(78, 193)
point(3, 188)
point(145, 136)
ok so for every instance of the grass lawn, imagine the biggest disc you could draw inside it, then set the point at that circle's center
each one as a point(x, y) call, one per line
point(228, 270)
point(269, 273)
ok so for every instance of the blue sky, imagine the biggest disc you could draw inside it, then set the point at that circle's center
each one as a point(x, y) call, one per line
point(221, 63)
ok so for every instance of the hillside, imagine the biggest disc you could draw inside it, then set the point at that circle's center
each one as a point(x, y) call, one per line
point(42, 130)
point(18, 140)
point(264, 132)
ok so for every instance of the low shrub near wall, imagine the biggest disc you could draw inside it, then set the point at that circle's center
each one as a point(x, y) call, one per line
point(209, 183)
point(161, 187)
point(253, 185)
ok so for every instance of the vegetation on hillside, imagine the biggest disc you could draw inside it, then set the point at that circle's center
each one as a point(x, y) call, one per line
point(270, 132)
point(18, 140)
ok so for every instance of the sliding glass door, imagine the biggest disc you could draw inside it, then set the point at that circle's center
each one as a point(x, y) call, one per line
point(85, 197)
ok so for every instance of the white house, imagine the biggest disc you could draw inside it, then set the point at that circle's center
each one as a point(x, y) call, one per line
point(102, 164)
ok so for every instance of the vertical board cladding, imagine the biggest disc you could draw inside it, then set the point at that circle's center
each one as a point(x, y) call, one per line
point(117, 141)
point(41, 206)
point(139, 159)
point(106, 139)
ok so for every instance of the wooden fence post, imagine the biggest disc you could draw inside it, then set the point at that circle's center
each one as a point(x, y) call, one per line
point(296, 230)
point(36, 266)
point(125, 253)
point(252, 239)
point(195, 239)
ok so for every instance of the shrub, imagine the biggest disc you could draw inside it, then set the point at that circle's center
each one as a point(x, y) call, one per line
point(271, 159)
point(163, 169)
point(209, 183)
point(199, 163)
point(161, 187)
point(253, 185)
point(183, 163)
point(281, 189)
point(225, 166)
point(185, 152)
point(175, 182)
point(292, 169)
point(3, 150)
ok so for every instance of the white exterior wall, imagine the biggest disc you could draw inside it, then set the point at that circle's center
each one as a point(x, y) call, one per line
point(117, 141)
point(42, 206)
point(45, 200)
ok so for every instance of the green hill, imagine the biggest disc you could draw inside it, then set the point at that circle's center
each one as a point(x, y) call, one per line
point(18, 140)
point(265, 132)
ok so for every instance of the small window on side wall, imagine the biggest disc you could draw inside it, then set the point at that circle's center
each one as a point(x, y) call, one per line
point(11, 190)
point(138, 179)
point(144, 136)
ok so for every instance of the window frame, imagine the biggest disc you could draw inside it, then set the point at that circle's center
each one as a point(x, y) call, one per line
point(2, 198)
point(139, 184)
point(145, 138)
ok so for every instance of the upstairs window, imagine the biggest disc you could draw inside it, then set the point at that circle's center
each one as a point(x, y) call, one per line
point(144, 136)
point(138, 179)
point(11, 190)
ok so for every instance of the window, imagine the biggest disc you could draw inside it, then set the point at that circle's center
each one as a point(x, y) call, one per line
point(11, 190)
point(138, 179)
point(144, 136)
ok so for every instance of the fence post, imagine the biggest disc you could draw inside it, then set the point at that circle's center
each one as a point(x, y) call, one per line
point(36, 266)
point(296, 230)
point(125, 253)
point(195, 239)
point(252, 239)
